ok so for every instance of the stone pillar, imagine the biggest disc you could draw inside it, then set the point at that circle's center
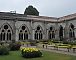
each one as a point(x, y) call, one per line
point(57, 31)
point(33, 34)
point(32, 31)
point(47, 36)
point(45, 31)
point(66, 31)
point(14, 31)
point(17, 34)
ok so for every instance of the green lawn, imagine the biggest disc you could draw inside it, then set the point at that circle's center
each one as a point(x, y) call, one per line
point(16, 55)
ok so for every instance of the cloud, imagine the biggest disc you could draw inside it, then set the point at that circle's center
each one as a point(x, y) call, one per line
point(45, 7)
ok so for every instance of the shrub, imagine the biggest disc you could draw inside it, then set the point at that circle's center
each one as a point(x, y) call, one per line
point(4, 50)
point(14, 46)
point(30, 52)
point(33, 43)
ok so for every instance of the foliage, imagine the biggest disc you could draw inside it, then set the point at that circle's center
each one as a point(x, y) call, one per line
point(31, 11)
point(56, 41)
point(14, 46)
point(4, 50)
point(45, 42)
point(64, 46)
point(68, 42)
point(33, 43)
point(30, 52)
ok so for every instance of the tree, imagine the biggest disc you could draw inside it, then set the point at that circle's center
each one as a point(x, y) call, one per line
point(30, 10)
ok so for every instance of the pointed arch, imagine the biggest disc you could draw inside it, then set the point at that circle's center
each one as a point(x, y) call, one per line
point(23, 32)
point(38, 33)
point(25, 27)
point(51, 32)
point(6, 32)
point(61, 32)
point(40, 27)
point(7, 25)
point(71, 31)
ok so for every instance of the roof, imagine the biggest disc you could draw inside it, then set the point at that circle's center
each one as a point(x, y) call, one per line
point(42, 18)
point(67, 17)
point(9, 15)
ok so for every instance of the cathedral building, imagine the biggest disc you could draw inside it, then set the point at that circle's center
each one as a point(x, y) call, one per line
point(20, 27)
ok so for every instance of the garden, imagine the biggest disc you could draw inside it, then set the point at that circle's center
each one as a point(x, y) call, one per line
point(16, 55)
point(14, 51)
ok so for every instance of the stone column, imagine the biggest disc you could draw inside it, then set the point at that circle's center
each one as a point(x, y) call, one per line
point(66, 31)
point(17, 34)
point(45, 31)
point(32, 31)
point(33, 34)
point(14, 31)
point(47, 34)
point(57, 31)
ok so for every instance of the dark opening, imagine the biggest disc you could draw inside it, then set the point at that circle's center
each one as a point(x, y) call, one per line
point(38, 28)
point(50, 28)
point(6, 27)
point(23, 27)
point(8, 30)
point(2, 30)
point(20, 30)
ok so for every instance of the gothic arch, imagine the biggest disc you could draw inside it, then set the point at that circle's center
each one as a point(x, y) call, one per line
point(71, 31)
point(51, 32)
point(38, 33)
point(7, 25)
point(6, 32)
point(25, 26)
point(23, 32)
point(61, 32)
point(40, 27)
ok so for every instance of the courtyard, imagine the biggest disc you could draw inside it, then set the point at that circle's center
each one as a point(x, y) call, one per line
point(16, 55)
point(50, 50)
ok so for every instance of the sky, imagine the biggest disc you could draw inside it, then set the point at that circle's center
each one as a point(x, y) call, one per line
point(51, 8)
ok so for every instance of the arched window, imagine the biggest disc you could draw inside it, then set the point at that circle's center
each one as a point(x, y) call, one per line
point(71, 31)
point(23, 33)
point(9, 35)
point(38, 33)
point(51, 33)
point(61, 32)
point(1, 37)
point(6, 32)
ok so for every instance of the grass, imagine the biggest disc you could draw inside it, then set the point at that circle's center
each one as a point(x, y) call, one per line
point(16, 55)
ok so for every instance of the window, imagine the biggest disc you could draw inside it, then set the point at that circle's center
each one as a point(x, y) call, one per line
point(23, 27)
point(50, 28)
point(5, 26)
point(23, 33)
point(38, 33)
point(71, 31)
point(38, 28)
point(61, 32)
point(51, 33)
point(6, 32)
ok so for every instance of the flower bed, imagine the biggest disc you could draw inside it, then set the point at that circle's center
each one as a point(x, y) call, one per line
point(30, 52)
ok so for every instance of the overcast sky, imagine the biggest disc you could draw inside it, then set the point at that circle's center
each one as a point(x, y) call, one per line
point(53, 8)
